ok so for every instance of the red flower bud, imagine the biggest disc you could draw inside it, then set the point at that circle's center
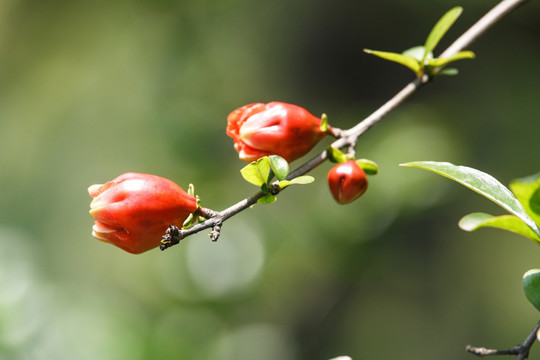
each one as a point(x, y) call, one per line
point(347, 182)
point(134, 210)
point(276, 128)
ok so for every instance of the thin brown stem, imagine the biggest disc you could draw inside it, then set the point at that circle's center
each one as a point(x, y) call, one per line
point(521, 351)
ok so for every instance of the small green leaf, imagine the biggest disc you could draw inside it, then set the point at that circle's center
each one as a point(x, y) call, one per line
point(527, 190)
point(267, 199)
point(336, 155)
point(440, 28)
point(404, 60)
point(189, 221)
point(369, 167)
point(482, 183)
point(417, 52)
point(324, 123)
point(251, 174)
point(531, 287)
point(300, 180)
point(511, 223)
point(444, 61)
point(263, 167)
point(448, 71)
point(284, 183)
point(279, 166)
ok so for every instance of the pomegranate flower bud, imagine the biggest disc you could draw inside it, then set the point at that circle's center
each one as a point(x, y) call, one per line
point(347, 182)
point(134, 210)
point(276, 128)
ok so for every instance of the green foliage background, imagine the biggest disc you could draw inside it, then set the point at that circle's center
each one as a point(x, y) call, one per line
point(92, 89)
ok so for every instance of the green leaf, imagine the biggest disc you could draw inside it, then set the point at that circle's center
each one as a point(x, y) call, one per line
point(417, 52)
point(191, 190)
point(284, 183)
point(444, 61)
point(300, 180)
point(267, 199)
point(440, 28)
point(511, 223)
point(527, 191)
point(369, 167)
point(531, 287)
point(324, 123)
point(336, 155)
point(279, 166)
point(189, 221)
point(482, 183)
point(263, 167)
point(448, 71)
point(251, 174)
point(404, 60)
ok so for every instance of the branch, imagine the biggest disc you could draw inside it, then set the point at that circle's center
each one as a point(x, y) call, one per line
point(348, 137)
point(521, 351)
point(489, 19)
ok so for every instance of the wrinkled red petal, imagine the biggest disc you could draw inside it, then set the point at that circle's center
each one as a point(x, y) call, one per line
point(287, 130)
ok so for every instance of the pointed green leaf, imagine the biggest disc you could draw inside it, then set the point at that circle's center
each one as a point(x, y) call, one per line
point(511, 223)
point(444, 61)
point(324, 123)
point(369, 167)
point(263, 167)
point(440, 28)
point(279, 166)
point(448, 71)
point(191, 190)
point(417, 52)
point(527, 190)
point(251, 174)
point(404, 60)
point(267, 199)
point(189, 221)
point(482, 183)
point(336, 155)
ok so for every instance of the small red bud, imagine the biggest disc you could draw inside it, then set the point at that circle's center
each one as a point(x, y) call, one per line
point(347, 182)
point(276, 128)
point(134, 210)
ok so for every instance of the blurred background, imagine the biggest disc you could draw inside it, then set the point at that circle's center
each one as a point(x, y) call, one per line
point(93, 89)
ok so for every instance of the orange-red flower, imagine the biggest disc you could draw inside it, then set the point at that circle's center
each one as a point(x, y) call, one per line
point(276, 128)
point(134, 210)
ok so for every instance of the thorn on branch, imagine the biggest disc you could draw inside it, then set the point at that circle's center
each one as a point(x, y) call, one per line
point(171, 237)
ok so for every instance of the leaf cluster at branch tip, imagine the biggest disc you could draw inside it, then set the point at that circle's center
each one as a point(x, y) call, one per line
point(420, 58)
